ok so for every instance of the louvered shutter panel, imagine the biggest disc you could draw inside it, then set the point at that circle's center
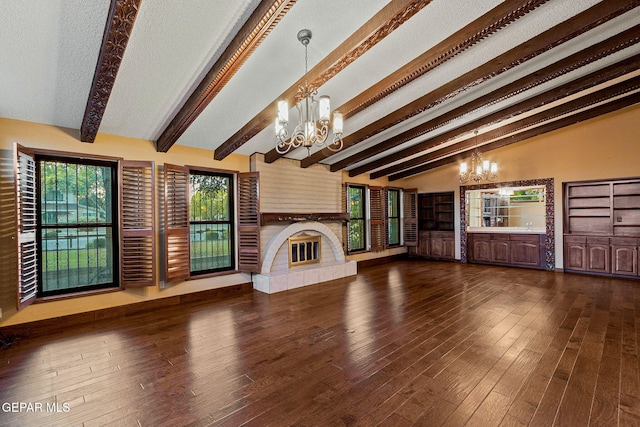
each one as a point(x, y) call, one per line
point(377, 210)
point(26, 222)
point(137, 219)
point(176, 226)
point(249, 222)
point(410, 217)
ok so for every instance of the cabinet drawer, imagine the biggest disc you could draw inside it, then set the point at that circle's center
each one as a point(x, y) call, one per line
point(624, 241)
point(501, 237)
point(479, 236)
point(576, 239)
point(597, 240)
point(525, 237)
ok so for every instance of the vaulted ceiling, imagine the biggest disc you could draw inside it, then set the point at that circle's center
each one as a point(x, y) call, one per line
point(414, 79)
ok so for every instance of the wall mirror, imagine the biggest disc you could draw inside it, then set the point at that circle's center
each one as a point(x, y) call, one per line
point(515, 209)
point(547, 204)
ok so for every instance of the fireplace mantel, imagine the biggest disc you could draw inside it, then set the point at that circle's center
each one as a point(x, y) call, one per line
point(269, 217)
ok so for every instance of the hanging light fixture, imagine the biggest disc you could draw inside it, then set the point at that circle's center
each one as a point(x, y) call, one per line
point(481, 170)
point(313, 116)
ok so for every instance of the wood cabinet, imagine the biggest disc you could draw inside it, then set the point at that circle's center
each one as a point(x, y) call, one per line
point(514, 249)
point(602, 226)
point(435, 225)
point(436, 244)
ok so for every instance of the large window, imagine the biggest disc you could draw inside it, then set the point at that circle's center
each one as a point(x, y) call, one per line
point(393, 217)
point(356, 199)
point(75, 230)
point(210, 222)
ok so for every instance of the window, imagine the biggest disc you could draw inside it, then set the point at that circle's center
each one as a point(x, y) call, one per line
point(356, 199)
point(210, 222)
point(393, 217)
point(199, 226)
point(83, 223)
point(75, 231)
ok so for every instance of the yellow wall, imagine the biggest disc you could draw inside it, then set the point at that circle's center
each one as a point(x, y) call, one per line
point(605, 147)
point(55, 138)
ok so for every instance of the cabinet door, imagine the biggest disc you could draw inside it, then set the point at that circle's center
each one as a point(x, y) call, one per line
point(423, 243)
point(624, 260)
point(598, 258)
point(480, 250)
point(575, 253)
point(500, 251)
point(525, 253)
point(448, 248)
point(436, 247)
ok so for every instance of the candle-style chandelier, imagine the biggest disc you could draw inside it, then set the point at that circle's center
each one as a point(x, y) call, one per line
point(481, 169)
point(313, 116)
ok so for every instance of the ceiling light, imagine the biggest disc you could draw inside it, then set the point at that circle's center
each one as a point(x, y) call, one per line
point(313, 116)
point(481, 170)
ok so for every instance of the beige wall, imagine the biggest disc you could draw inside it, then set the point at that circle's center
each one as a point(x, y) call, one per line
point(54, 138)
point(605, 147)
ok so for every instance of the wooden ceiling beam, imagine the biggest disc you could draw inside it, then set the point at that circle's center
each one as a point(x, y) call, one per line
point(571, 63)
point(120, 19)
point(521, 130)
point(376, 29)
point(488, 24)
point(559, 34)
point(261, 22)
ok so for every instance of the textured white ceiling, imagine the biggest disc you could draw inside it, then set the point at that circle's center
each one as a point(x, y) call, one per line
point(50, 48)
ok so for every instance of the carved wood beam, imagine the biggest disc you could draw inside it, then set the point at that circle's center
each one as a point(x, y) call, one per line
point(530, 127)
point(601, 76)
point(561, 33)
point(120, 20)
point(261, 22)
point(488, 24)
point(580, 59)
point(376, 29)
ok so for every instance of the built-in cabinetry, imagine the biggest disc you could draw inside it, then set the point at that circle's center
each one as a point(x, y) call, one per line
point(514, 249)
point(602, 226)
point(435, 225)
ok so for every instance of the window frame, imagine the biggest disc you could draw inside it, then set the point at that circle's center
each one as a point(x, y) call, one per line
point(397, 218)
point(364, 219)
point(39, 158)
point(230, 222)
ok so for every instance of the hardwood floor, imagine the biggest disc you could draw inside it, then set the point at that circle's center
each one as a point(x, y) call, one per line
point(407, 343)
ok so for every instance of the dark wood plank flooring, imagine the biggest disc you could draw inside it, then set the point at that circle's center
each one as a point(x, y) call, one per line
point(407, 343)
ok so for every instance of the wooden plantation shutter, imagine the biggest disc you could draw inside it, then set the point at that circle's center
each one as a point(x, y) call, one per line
point(249, 222)
point(410, 217)
point(137, 219)
point(26, 222)
point(176, 225)
point(377, 209)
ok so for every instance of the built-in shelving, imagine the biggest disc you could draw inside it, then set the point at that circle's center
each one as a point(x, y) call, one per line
point(602, 226)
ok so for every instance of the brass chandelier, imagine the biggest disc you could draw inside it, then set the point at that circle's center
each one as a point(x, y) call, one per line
point(481, 169)
point(313, 116)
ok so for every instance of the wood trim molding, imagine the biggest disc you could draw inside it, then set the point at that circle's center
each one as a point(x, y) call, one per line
point(261, 22)
point(584, 102)
point(120, 20)
point(556, 36)
point(488, 24)
point(377, 28)
point(269, 217)
point(555, 70)
point(555, 94)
